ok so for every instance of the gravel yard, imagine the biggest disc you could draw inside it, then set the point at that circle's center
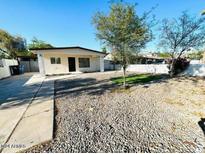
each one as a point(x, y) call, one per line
point(92, 115)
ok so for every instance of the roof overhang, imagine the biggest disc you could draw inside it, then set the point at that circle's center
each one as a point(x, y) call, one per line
point(67, 50)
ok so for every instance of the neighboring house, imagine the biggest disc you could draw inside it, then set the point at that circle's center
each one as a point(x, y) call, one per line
point(62, 60)
point(150, 58)
point(143, 58)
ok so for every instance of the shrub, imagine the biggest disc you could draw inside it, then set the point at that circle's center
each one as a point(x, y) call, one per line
point(180, 65)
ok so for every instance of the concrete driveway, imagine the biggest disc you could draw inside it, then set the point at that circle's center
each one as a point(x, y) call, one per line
point(14, 88)
point(26, 111)
point(16, 93)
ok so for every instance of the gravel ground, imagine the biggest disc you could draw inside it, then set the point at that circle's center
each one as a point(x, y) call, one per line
point(92, 115)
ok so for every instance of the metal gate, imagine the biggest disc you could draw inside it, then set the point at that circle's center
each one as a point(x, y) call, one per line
point(30, 66)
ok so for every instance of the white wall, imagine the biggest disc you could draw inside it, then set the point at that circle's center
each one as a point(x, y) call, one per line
point(196, 62)
point(94, 65)
point(63, 68)
point(55, 68)
point(148, 68)
point(192, 70)
point(5, 70)
point(195, 70)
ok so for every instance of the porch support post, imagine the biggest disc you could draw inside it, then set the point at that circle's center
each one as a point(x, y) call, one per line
point(41, 64)
point(101, 63)
point(77, 64)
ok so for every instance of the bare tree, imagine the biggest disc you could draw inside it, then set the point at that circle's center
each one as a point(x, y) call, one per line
point(182, 34)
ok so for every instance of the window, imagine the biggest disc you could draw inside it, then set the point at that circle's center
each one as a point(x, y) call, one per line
point(58, 61)
point(55, 60)
point(84, 62)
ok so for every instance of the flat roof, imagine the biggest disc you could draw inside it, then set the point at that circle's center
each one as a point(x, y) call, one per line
point(61, 48)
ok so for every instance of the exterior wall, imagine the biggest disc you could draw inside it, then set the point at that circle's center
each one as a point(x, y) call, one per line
point(195, 70)
point(94, 64)
point(192, 70)
point(149, 68)
point(196, 62)
point(63, 68)
point(55, 68)
point(5, 70)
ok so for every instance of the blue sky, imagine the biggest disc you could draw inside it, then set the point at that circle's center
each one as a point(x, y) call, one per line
point(68, 22)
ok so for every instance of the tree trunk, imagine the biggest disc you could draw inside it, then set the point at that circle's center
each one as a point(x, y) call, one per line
point(124, 76)
point(172, 68)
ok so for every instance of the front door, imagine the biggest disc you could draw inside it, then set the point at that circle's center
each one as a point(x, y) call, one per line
point(71, 64)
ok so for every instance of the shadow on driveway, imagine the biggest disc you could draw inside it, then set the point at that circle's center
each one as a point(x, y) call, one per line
point(90, 86)
point(15, 92)
point(75, 87)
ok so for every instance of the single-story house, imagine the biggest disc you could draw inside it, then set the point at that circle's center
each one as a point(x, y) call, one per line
point(62, 60)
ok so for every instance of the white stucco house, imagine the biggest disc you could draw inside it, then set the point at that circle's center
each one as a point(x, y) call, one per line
point(63, 60)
